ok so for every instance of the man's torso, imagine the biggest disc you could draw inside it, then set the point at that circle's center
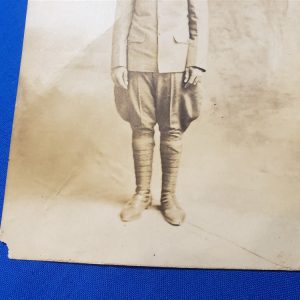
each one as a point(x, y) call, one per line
point(158, 36)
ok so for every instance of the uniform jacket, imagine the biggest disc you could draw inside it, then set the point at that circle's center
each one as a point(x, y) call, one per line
point(160, 35)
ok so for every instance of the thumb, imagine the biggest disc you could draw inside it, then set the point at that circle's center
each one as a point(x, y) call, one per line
point(186, 75)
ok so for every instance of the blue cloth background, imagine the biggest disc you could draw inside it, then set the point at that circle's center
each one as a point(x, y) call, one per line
point(42, 280)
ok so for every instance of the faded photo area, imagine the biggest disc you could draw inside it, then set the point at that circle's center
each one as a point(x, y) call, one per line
point(71, 167)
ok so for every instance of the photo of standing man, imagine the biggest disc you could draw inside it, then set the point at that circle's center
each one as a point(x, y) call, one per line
point(159, 55)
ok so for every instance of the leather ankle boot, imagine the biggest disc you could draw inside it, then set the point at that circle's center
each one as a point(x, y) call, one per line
point(134, 208)
point(171, 210)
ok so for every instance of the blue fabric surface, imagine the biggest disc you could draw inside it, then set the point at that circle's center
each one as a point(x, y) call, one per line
point(41, 280)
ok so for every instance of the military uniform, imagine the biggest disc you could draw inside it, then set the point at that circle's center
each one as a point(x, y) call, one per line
point(156, 40)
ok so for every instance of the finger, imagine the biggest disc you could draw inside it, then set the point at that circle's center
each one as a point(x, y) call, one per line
point(123, 85)
point(191, 80)
point(125, 78)
point(115, 78)
point(186, 75)
point(197, 80)
point(115, 81)
point(120, 81)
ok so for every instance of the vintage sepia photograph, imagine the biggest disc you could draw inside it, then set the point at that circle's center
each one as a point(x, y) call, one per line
point(160, 133)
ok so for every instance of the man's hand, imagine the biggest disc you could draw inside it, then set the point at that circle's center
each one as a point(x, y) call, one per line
point(192, 76)
point(120, 77)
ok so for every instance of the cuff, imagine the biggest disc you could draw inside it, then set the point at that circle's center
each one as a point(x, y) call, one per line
point(203, 70)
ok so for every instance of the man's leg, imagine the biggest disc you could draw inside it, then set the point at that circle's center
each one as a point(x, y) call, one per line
point(176, 108)
point(142, 120)
point(142, 146)
point(170, 152)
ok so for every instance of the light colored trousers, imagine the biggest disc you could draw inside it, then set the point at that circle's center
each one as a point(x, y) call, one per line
point(158, 98)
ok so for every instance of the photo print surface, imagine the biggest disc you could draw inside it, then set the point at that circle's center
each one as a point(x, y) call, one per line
point(221, 179)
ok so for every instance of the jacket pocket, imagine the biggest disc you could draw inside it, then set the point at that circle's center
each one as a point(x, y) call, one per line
point(136, 37)
point(181, 37)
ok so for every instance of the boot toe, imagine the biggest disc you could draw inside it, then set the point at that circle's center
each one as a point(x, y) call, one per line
point(129, 214)
point(174, 216)
point(134, 208)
